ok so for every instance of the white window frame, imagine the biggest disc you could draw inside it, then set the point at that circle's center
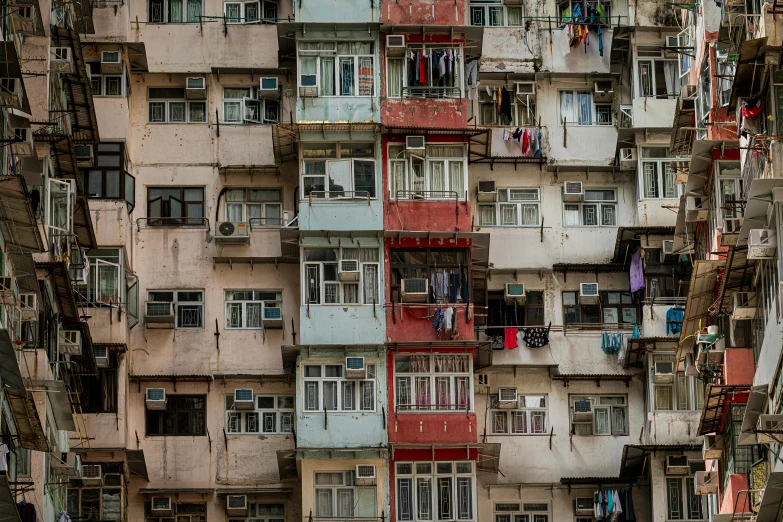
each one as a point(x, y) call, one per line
point(103, 80)
point(573, 118)
point(320, 54)
point(263, 107)
point(721, 212)
point(410, 380)
point(521, 512)
point(348, 483)
point(429, 91)
point(487, 6)
point(242, 304)
point(242, 18)
point(653, 54)
point(99, 263)
point(239, 422)
point(165, 13)
point(599, 204)
point(197, 305)
point(416, 483)
point(687, 495)
point(65, 189)
point(361, 299)
point(264, 205)
point(345, 403)
point(518, 204)
point(599, 403)
point(661, 165)
point(675, 388)
point(351, 191)
point(518, 106)
point(528, 412)
point(256, 514)
point(166, 103)
point(405, 160)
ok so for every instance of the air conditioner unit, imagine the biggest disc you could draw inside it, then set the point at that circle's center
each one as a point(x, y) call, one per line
point(667, 246)
point(689, 92)
point(705, 482)
point(365, 475)
point(269, 84)
point(772, 424)
point(308, 92)
point(160, 505)
point(354, 368)
point(395, 41)
point(101, 356)
point(628, 157)
point(515, 293)
point(415, 143)
point(28, 306)
point(486, 192)
point(8, 290)
point(572, 191)
point(273, 315)
point(236, 505)
point(507, 398)
point(111, 62)
point(196, 88)
point(712, 447)
point(70, 342)
point(349, 270)
point(159, 314)
point(60, 60)
point(525, 88)
point(677, 465)
point(415, 290)
point(232, 232)
point(664, 372)
point(91, 474)
point(244, 399)
point(24, 18)
point(697, 208)
point(730, 232)
point(745, 306)
point(23, 141)
point(583, 411)
point(604, 91)
point(155, 398)
point(10, 93)
point(762, 243)
point(583, 506)
point(588, 293)
point(84, 157)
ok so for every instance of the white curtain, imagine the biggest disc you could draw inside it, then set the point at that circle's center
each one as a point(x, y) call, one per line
point(585, 107)
point(370, 284)
point(437, 177)
point(394, 73)
point(671, 75)
point(566, 106)
point(327, 76)
point(423, 395)
point(456, 179)
point(253, 312)
point(194, 10)
point(175, 11)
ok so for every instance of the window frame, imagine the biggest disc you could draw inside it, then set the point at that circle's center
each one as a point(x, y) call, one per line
point(486, 5)
point(518, 212)
point(429, 91)
point(255, 514)
point(102, 80)
point(126, 181)
point(348, 484)
point(425, 270)
point(518, 107)
point(263, 103)
point(248, 202)
point(594, 122)
point(166, 13)
point(341, 382)
point(603, 303)
point(243, 417)
point(653, 54)
point(243, 304)
point(599, 205)
point(199, 305)
point(319, 54)
point(686, 488)
point(172, 409)
point(185, 205)
point(521, 314)
point(609, 407)
point(524, 512)
point(340, 155)
point(101, 496)
point(413, 379)
point(662, 164)
point(408, 173)
point(167, 101)
point(323, 284)
point(510, 414)
point(675, 388)
point(417, 478)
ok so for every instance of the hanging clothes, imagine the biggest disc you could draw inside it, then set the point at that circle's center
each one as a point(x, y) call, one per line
point(635, 332)
point(4, 451)
point(454, 322)
point(454, 284)
point(536, 337)
point(439, 281)
point(526, 139)
point(609, 503)
point(505, 106)
point(448, 314)
point(539, 144)
point(26, 511)
point(596, 505)
point(637, 271)
point(471, 78)
point(422, 68)
point(618, 509)
point(674, 318)
point(437, 321)
point(630, 516)
point(510, 338)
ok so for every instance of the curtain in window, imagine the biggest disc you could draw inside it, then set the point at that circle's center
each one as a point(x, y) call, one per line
point(443, 392)
point(663, 398)
point(175, 11)
point(417, 184)
point(405, 499)
point(346, 76)
point(366, 76)
point(671, 76)
point(365, 503)
point(403, 393)
point(445, 151)
point(194, 10)
point(423, 395)
point(566, 106)
point(601, 419)
point(681, 382)
point(234, 315)
point(499, 422)
point(311, 396)
point(514, 15)
point(323, 502)
point(520, 422)
point(330, 395)
point(462, 391)
point(424, 495)
point(645, 79)
point(650, 174)
point(345, 503)
point(308, 69)
point(327, 76)
point(529, 215)
point(437, 177)
point(350, 293)
point(254, 315)
point(538, 422)
point(397, 176)
point(456, 178)
point(585, 100)
point(451, 364)
point(370, 284)
point(366, 395)
point(394, 77)
point(420, 363)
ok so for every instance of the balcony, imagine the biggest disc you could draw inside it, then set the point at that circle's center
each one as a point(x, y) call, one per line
point(427, 210)
point(413, 322)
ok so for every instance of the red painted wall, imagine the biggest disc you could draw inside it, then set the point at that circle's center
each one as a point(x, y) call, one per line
point(730, 497)
point(423, 12)
point(738, 366)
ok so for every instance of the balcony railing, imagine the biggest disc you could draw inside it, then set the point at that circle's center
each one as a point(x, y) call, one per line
point(625, 117)
point(412, 408)
point(179, 222)
point(321, 195)
point(431, 92)
point(449, 195)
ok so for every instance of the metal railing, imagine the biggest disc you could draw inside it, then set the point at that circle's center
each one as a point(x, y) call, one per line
point(431, 92)
point(180, 222)
point(65, 247)
point(323, 195)
point(673, 301)
point(625, 117)
point(428, 195)
point(412, 408)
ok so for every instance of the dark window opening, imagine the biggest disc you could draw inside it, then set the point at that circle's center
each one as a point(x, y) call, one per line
point(185, 415)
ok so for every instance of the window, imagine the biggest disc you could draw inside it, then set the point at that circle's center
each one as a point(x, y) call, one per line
point(184, 512)
point(735, 459)
point(326, 388)
point(98, 393)
point(175, 206)
point(262, 513)
point(597, 209)
point(492, 13)
point(242, 12)
point(349, 167)
point(338, 496)
point(105, 284)
point(259, 207)
point(529, 418)
point(682, 502)
point(501, 313)
point(526, 512)
point(656, 76)
point(434, 382)
point(725, 69)
point(243, 105)
point(272, 414)
point(108, 178)
point(728, 198)
point(444, 273)
point(62, 194)
point(168, 105)
point(609, 415)
point(246, 309)
point(404, 74)
point(614, 307)
point(577, 107)
point(438, 174)
point(523, 108)
point(658, 178)
point(22, 462)
point(684, 393)
point(596, 9)
point(174, 11)
point(435, 491)
point(105, 85)
point(322, 280)
point(97, 503)
point(184, 415)
point(188, 304)
point(514, 207)
point(338, 68)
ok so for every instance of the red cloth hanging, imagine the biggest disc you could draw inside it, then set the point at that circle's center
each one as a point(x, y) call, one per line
point(510, 338)
point(423, 69)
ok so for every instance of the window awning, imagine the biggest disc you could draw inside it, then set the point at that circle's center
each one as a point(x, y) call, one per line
point(756, 404)
point(10, 375)
point(265, 493)
point(174, 491)
point(772, 500)
point(486, 455)
point(10, 68)
point(751, 76)
point(701, 295)
point(82, 224)
point(596, 378)
point(24, 271)
point(701, 162)
point(716, 398)
point(479, 242)
point(66, 304)
point(134, 459)
point(630, 237)
point(8, 510)
point(638, 348)
point(18, 224)
point(29, 430)
point(634, 462)
point(684, 117)
point(737, 277)
point(760, 197)
point(286, 464)
point(61, 405)
point(63, 153)
point(76, 84)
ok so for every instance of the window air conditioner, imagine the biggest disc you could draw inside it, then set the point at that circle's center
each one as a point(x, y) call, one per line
point(196, 88)
point(697, 208)
point(572, 191)
point(232, 232)
point(583, 506)
point(762, 243)
point(60, 60)
point(273, 315)
point(588, 293)
point(507, 398)
point(526, 88)
point(515, 293)
point(486, 192)
point(583, 411)
point(415, 290)
point(308, 91)
point(244, 399)
point(772, 424)
point(236, 505)
point(705, 482)
point(23, 141)
point(713, 447)
point(84, 157)
point(28, 306)
point(667, 246)
point(101, 356)
point(349, 270)
point(111, 62)
point(395, 44)
point(730, 232)
point(160, 505)
point(672, 43)
point(10, 93)
point(269, 84)
point(604, 91)
point(664, 372)
point(677, 465)
point(155, 398)
point(70, 342)
point(159, 313)
point(354, 368)
point(745, 306)
point(91, 474)
point(414, 143)
point(24, 18)
point(365, 475)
